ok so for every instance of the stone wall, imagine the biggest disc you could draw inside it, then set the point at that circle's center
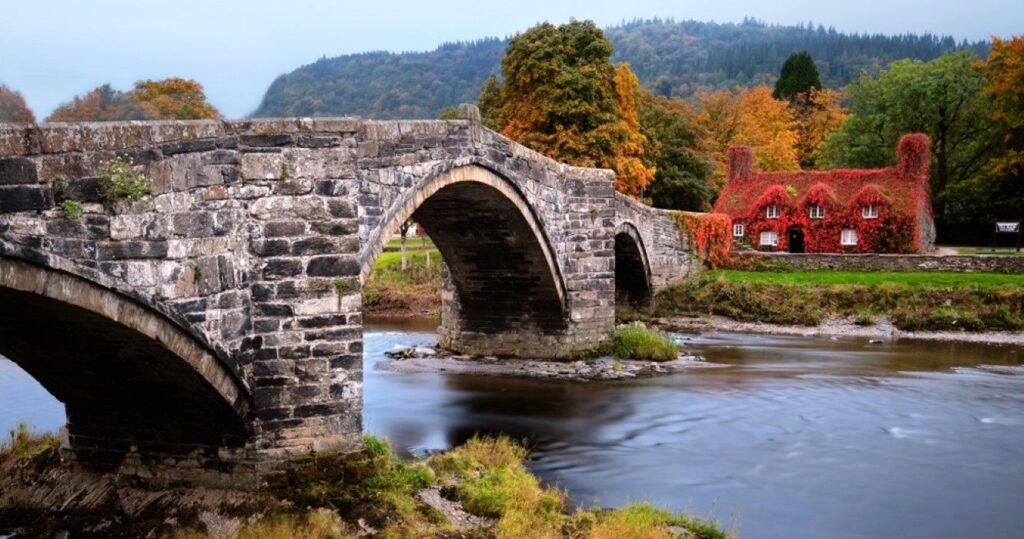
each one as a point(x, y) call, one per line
point(888, 262)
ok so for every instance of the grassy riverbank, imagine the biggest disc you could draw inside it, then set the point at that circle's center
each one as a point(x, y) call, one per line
point(480, 489)
point(910, 300)
point(416, 291)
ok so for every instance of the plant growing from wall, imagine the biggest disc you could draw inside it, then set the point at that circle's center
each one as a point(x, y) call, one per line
point(119, 181)
point(72, 208)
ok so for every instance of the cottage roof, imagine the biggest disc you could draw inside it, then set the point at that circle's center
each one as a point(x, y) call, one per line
point(904, 185)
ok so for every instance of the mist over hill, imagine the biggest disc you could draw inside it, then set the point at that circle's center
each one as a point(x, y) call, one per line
point(670, 57)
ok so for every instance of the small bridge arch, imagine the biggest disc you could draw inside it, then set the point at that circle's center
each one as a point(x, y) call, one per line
point(632, 268)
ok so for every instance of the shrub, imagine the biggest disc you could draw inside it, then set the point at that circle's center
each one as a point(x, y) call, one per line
point(72, 208)
point(120, 181)
point(637, 341)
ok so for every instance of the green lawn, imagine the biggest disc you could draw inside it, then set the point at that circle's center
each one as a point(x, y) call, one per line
point(826, 277)
point(392, 260)
point(409, 242)
point(987, 251)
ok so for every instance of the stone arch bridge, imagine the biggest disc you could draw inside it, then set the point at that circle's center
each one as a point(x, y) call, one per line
point(218, 321)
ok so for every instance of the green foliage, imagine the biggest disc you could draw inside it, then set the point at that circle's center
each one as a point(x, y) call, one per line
point(641, 521)
point(448, 113)
point(670, 57)
point(120, 181)
point(681, 180)
point(72, 208)
point(942, 98)
point(797, 77)
point(22, 442)
point(416, 290)
point(912, 301)
point(637, 341)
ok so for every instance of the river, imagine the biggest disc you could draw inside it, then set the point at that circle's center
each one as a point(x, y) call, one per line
point(796, 437)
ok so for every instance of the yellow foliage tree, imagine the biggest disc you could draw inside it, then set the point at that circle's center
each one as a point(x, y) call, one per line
point(173, 98)
point(750, 117)
point(631, 175)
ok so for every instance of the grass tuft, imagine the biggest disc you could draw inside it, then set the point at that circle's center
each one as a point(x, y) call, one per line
point(23, 442)
point(637, 341)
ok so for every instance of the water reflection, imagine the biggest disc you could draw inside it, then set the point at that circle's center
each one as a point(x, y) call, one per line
point(799, 437)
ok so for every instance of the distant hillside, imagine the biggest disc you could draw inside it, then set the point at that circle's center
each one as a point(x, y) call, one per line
point(672, 58)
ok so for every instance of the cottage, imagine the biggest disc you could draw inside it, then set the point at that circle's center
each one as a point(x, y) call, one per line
point(886, 210)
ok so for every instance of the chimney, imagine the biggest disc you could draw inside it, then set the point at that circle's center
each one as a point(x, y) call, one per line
point(913, 155)
point(740, 162)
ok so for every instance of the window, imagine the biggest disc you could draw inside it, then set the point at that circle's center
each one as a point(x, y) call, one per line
point(817, 212)
point(773, 211)
point(737, 230)
point(769, 237)
point(869, 212)
point(848, 237)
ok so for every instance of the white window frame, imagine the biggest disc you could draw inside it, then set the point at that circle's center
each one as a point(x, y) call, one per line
point(737, 230)
point(869, 211)
point(816, 211)
point(772, 211)
point(773, 238)
point(848, 237)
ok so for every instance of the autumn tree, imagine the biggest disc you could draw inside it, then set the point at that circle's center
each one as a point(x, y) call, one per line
point(816, 115)
point(681, 180)
point(102, 104)
point(562, 96)
point(997, 192)
point(13, 107)
point(749, 117)
point(942, 98)
point(799, 76)
point(173, 98)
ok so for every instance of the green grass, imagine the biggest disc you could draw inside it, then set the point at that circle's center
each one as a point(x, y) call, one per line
point(988, 251)
point(24, 442)
point(908, 278)
point(637, 341)
point(390, 290)
point(410, 242)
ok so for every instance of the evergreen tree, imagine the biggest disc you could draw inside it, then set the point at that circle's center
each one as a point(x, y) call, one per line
point(798, 76)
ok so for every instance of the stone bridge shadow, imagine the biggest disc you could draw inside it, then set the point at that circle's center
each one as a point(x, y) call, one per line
point(214, 327)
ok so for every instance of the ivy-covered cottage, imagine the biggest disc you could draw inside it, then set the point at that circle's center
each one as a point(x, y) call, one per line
point(886, 210)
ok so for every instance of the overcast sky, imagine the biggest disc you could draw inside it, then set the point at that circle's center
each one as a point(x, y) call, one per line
point(51, 50)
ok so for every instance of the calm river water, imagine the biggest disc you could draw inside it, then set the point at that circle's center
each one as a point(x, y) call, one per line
point(796, 437)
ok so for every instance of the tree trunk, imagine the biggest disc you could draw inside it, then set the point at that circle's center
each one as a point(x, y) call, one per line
point(405, 259)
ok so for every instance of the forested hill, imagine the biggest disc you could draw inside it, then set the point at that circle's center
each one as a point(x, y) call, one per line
point(672, 58)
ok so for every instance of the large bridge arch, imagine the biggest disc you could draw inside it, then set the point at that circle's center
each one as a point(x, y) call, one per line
point(502, 280)
point(130, 378)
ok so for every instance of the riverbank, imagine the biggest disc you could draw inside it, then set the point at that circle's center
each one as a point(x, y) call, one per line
point(948, 306)
point(879, 328)
point(390, 291)
point(480, 489)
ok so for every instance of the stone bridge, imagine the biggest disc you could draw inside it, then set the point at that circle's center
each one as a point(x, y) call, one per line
point(217, 322)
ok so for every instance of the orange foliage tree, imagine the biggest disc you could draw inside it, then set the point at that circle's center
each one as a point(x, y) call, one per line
point(750, 117)
point(173, 98)
point(13, 107)
point(1004, 77)
point(631, 175)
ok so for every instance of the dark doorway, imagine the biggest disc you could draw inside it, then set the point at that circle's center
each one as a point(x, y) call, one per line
point(632, 286)
point(795, 239)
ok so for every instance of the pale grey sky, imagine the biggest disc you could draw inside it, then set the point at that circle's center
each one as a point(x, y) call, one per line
point(51, 50)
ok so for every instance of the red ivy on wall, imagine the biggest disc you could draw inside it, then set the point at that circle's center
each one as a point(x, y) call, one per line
point(899, 194)
point(709, 234)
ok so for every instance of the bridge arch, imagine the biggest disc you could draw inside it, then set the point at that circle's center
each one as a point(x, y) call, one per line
point(130, 378)
point(502, 276)
point(632, 268)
